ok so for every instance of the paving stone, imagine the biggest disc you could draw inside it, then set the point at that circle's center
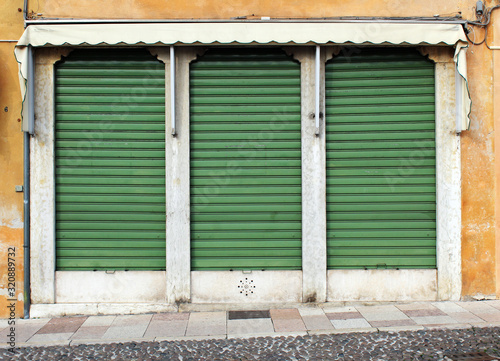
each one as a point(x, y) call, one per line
point(5, 323)
point(434, 320)
point(343, 315)
point(161, 328)
point(192, 338)
point(349, 331)
point(393, 323)
point(23, 331)
point(90, 333)
point(381, 313)
point(99, 321)
point(485, 324)
point(178, 316)
point(455, 326)
point(465, 317)
point(448, 307)
point(311, 311)
point(31, 321)
point(424, 313)
point(285, 314)
point(488, 317)
point(350, 324)
point(287, 320)
point(50, 337)
point(131, 320)
point(250, 326)
point(62, 325)
point(98, 341)
point(128, 327)
point(401, 328)
point(125, 332)
point(493, 303)
point(288, 325)
point(317, 322)
point(479, 307)
point(207, 316)
point(206, 324)
point(483, 310)
point(333, 309)
point(415, 306)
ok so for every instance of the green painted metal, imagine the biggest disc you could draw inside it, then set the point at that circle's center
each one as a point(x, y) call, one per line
point(110, 161)
point(245, 160)
point(381, 160)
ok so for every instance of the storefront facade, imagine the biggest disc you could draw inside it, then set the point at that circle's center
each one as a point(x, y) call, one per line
point(193, 164)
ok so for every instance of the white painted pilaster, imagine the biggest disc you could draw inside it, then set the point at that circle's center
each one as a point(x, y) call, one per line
point(314, 281)
point(178, 288)
point(448, 186)
point(42, 182)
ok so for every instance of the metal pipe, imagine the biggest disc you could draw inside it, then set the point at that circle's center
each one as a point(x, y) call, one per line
point(172, 89)
point(317, 88)
point(25, 12)
point(30, 93)
point(26, 245)
point(458, 101)
point(26, 155)
point(312, 20)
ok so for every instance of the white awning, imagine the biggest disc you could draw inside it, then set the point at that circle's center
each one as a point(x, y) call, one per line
point(258, 33)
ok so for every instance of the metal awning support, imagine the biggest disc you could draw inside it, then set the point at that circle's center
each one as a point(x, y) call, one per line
point(458, 101)
point(172, 89)
point(317, 88)
point(31, 92)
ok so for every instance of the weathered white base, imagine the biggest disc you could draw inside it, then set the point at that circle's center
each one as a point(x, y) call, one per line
point(239, 287)
point(117, 287)
point(92, 309)
point(382, 285)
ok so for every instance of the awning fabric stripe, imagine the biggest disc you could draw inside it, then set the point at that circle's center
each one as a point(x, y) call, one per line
point(226, 33)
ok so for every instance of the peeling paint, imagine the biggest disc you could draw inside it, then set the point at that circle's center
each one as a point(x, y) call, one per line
point(10, 216)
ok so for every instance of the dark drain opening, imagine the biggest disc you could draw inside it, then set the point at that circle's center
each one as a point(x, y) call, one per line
point(245, 315)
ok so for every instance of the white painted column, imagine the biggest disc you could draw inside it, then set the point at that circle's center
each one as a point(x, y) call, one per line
point(448, 185)
point(448, 177)
point(178, 260)
point(314, 272)
point(42, 182)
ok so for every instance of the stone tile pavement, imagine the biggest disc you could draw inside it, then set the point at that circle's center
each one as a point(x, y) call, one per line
point(310, 319)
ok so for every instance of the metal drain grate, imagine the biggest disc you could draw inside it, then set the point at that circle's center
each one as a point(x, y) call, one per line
point(245, 315)
point(471, 356)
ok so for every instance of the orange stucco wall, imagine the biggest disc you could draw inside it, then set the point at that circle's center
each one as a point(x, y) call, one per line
point(478, 181)
point(480, 168)
point(495, 39)
point(480, 241)
point(225, 9)
point(11, 156)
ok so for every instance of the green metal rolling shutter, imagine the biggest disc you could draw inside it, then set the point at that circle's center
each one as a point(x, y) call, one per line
point(110, 161)
point(245, 161)
point(381, 166)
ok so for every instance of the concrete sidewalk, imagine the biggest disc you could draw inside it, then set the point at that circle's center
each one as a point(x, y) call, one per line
point(322, 319)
